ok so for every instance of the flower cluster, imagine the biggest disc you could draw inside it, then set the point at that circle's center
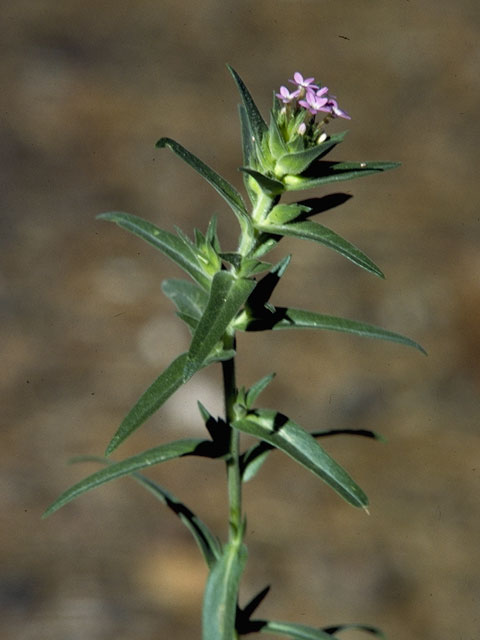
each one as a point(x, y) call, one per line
point(311, 97)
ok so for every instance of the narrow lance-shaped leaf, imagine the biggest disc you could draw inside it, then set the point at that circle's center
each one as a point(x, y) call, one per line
point(285, 318)
point(255, 120)
point(227, 295)
point(257, 388)
point(252, 460)
point(270, 186)
point(326, 172)
point(221, 591)
point(289, 437)
point(187, 297)
point(206, 541)
point(177, 449)
point(296, 163)
point(151, 400)
point(221, 186)
point(308, 230)
point(175, 248)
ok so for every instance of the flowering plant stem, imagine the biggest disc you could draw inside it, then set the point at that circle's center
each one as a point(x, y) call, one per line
point(233, 459)
point(231, 291)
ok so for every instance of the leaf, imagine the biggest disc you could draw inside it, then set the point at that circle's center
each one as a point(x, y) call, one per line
point(309, 230)
point(162, 453)
point(270, 186)
point(187, 297)
point(150, 401)
point(227, 295)
point(175, 248)
point(248, 150)
point(284, 434)
point(322, 172)
point(276, 141)
point(206, 541)
point(361, 627)
point(292, 630)
point(252, 460)
point(221, 186)
point(296, 163)
point(221, 592)
point(285, 318)
point(257, 388)
point(284, 213)
point(254, 117)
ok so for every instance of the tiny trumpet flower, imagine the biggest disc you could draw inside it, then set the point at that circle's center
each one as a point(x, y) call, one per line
point(303, 83)
point(315, 101)
point(287, 96)
point(224, 294)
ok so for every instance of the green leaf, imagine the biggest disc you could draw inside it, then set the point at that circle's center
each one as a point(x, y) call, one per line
point(221, 592)
point(309, 230)
point(284, 434)
point(151, 400)
point(206, 541)
point(221, 186)
point(177, 449)
point(296, 163)
point(248, 150)
point(284, 213)
point(292, 630)
point(270, 186)
point(361, 627)
point(257, 388)
point(285, 318)
point(252, 460)
point(227, 295)
point(175, 248)
point(276, 142)
point(212, 236)
point(256, 122)
point(189, 299)
point(322, 172)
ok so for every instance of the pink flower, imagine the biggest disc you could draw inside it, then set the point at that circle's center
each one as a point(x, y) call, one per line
point(335, 110)
point(286, 96)
point(303, 83)
point(315, 101)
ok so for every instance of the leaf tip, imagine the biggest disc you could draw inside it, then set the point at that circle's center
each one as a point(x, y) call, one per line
point(112, 445)
point(163, 142)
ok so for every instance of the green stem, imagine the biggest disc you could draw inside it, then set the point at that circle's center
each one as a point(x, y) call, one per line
point(263, 206)
point(233, 462)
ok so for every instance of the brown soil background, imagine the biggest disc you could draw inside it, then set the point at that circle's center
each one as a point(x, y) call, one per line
point(88, 87)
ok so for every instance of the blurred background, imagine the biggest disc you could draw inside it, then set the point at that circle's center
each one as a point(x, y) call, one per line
point(88, 88)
